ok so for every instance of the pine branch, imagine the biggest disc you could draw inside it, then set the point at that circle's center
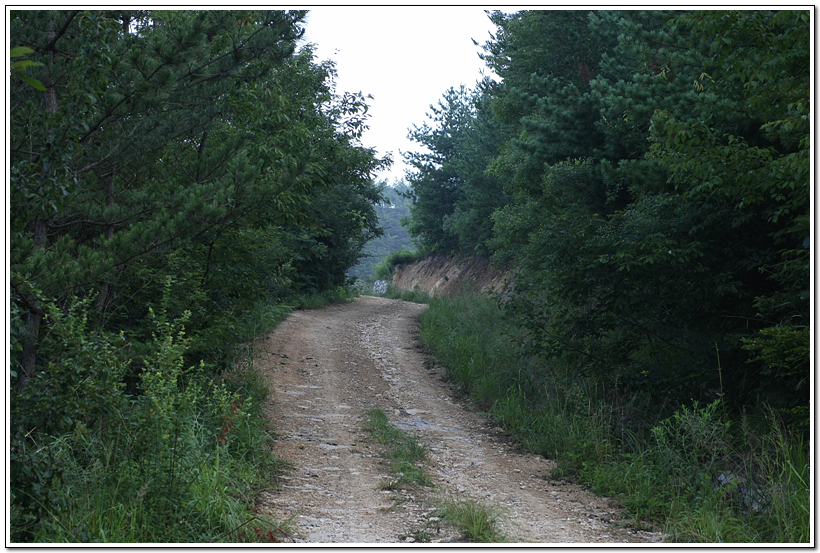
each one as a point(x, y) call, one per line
point(50, 45)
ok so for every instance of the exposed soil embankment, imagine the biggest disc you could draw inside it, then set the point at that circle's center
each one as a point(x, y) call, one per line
point(442, 275)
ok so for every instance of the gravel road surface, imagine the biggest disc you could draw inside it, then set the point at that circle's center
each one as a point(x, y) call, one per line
point(327, 367)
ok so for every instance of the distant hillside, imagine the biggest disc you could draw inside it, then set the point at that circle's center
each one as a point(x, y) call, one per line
point(395, 236)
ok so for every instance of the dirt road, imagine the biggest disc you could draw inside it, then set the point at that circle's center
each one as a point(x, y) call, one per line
point(327, 367)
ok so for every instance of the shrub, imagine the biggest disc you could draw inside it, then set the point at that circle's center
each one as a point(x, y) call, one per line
point(175, 461)
point(384, 269)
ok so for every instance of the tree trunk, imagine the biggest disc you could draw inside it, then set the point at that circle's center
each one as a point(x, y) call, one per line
point(35, 316)
point(104, 296)
point(35, 313)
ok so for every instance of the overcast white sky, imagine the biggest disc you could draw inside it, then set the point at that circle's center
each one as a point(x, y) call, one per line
point(405, 57)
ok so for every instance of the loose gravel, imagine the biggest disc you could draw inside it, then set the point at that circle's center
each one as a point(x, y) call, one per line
point(327, 367)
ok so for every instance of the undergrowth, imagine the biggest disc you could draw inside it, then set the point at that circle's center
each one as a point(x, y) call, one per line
point(317, 300)
point(477, 522)
point(179, 460)
point(415, 295)
point(692, 473)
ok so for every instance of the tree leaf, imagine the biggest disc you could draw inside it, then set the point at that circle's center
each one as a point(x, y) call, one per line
point(33, 82)
point(20, 51)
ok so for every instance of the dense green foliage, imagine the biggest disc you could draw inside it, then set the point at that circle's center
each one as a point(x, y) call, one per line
point(695, 474)
point(646, 177)
point(453, 197)
point(646, 174)
point(175, 170)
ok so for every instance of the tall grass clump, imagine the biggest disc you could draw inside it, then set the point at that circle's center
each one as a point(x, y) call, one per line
point(478, 522)
point(693, 472)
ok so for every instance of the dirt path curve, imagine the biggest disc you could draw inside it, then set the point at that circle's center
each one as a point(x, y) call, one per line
point(327, 367)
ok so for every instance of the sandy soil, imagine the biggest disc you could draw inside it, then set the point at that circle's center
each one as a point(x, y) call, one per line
point(327, 367)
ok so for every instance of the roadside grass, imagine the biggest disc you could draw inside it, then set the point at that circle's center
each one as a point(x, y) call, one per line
point(106, 505)
point(693, 475)
point(414, 295)
point(407, 459)
point(477, 522)
point(317, 300)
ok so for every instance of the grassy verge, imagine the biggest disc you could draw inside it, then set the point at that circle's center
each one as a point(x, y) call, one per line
point(413, 295)
point(694, 475)
point(406, 459)
point(318, 300)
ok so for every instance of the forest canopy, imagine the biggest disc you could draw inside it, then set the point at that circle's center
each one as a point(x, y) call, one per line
point(646, 174)
point(195, 147)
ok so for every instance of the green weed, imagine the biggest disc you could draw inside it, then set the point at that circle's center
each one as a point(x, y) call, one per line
point(406, 458)
point(477, 522)
point(414, 296)
point(405, 455)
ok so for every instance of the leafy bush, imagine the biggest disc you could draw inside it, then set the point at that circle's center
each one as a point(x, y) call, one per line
point(384, 270)
point(176, 461)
